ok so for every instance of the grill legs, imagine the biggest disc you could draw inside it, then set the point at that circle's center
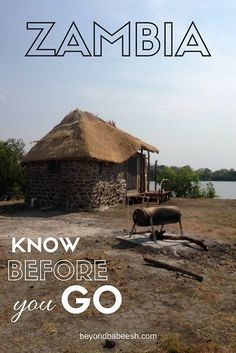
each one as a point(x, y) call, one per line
point(181, 228)
point(132, 230)
point(153, 230)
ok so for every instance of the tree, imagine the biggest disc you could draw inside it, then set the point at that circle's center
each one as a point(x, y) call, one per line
point(11, 171)
point(218, 175)
point(185, 182)
point(204, 174)
point(209, 191)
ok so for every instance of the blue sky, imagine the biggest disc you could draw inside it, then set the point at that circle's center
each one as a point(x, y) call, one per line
point(184, 106)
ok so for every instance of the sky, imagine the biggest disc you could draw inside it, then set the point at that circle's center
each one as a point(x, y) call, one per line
point(183, 105)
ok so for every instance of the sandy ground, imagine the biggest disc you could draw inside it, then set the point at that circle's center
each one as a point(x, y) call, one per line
point(181, 311)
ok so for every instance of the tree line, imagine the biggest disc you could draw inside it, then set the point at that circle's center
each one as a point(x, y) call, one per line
point(204, 174)
point(217, 175)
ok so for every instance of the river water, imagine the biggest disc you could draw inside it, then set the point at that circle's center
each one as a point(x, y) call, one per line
point(224, 189)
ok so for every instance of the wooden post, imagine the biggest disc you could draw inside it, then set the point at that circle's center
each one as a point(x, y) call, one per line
point(141, 170)
point(148, 172)
point(155, 175)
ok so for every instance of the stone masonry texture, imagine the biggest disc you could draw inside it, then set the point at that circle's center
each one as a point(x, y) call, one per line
point(77, 184)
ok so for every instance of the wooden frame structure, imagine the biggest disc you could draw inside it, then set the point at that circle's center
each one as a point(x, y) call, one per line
point(143, 193)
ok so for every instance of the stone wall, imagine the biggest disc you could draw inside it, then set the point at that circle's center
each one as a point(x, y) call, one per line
point(78, 184)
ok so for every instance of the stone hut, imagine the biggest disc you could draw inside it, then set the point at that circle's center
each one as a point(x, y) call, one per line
point(85, 162)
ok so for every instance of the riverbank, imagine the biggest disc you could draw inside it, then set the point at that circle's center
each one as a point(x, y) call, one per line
point(182, 312)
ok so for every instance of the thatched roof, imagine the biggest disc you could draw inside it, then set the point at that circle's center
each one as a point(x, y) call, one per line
point(83, 135)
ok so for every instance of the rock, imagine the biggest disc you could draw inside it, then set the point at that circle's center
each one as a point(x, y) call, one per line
point(109, 344)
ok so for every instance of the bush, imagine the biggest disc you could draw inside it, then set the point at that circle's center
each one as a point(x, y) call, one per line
point(185, 182)
point(209, 191)
point(11, 172)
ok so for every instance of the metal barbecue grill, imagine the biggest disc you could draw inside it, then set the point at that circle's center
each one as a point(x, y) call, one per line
point(156, 216)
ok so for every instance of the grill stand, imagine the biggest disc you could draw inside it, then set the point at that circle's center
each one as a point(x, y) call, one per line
point(153, 231)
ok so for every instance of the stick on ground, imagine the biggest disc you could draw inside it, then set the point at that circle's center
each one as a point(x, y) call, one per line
point(184, 237)
point(172, 268)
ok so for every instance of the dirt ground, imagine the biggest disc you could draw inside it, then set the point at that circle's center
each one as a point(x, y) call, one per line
point(186, 315)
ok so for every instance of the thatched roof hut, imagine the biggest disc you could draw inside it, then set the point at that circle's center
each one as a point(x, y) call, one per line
point(85, 162)
point(84, 135)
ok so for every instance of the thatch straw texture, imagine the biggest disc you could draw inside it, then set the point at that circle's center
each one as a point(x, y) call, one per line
point(83, 135)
